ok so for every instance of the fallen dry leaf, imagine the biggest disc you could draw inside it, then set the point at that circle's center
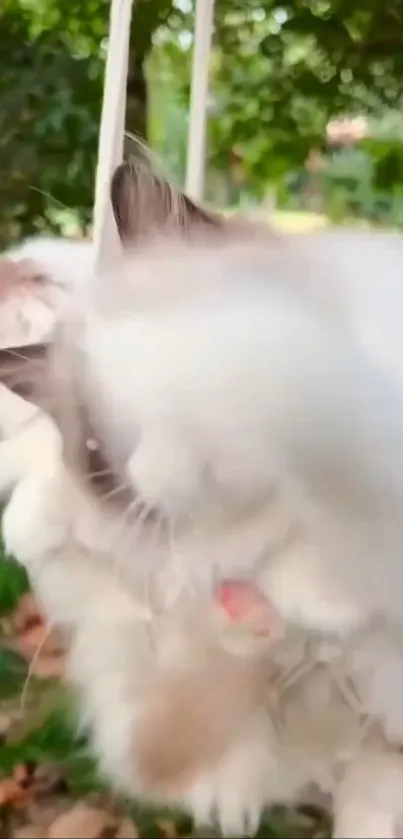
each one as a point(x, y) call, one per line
point(44, 815)
point(50, 667)
point(81, 821)
point(6, 721)
point(168, 828)
point(23, 774)
point(26, 614)
point(127, 830)
point(30, 831)
point(11, 792)
point(42, 648)
point(36, 638)
point(48, 780)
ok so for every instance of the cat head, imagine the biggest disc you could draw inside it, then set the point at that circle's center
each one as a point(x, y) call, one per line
point(146, 207)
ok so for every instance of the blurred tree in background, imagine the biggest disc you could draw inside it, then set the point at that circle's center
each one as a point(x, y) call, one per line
point(51, 75)
point(280, 70)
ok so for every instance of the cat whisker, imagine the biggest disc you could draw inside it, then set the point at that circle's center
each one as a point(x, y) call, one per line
point(31, 668)
point(151, 586)
point(346, 689)
point(129, 510)
point(11, 371)
point(176, 567)
point(171, 537)
point(137, 505)
point(113, 492)
point(101, 473)
point(19, 355)
point(49, 196)
point(303, 668)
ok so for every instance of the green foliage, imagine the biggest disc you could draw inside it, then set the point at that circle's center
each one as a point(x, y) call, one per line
point(51, 77)
point(286, 67)
point(13, 672)
point(13, 583)
point(279, 70)
point(49, 109)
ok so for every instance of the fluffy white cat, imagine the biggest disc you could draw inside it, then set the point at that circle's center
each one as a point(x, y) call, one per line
point(257, 436)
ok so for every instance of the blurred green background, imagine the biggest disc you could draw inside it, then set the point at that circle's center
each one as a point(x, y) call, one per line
point(304, 112)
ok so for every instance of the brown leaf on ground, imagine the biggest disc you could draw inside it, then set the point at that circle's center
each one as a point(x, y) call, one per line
point(6, 722)
point(48, 779)
point(39, 637)
point(39, 645)
point(168, 828)
point(45, 813)
point(51, 667)
point(30, 831)
point(81, 822)
point(11, 792)
point(23, 774)
point(26, 614)
point(127, 830)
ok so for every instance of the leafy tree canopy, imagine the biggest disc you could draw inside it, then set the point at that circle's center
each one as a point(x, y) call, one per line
point(280, 69)
point(51, 76)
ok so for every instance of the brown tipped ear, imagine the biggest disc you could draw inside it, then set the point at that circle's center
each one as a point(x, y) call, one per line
point(143, 202)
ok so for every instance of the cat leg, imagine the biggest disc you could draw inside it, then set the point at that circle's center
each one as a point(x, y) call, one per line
point(109, 648)
point(211, 751)
point(33, 446)
point(38, 530)
point(234, 793)
point(368, 803)
point(37, 518)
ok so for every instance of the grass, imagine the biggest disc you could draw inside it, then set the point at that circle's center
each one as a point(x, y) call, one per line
point(298, 222)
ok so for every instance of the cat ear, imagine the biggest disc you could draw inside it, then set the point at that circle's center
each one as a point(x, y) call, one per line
point(144, 201)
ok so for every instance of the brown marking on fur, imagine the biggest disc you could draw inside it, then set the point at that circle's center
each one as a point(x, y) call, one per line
point(194, 716)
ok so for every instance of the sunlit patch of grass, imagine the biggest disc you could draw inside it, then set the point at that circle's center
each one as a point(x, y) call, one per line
point(298, 222)
point(287, 221)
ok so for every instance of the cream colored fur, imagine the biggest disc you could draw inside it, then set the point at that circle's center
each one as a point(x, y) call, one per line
point(105, 581)
point(307, 732)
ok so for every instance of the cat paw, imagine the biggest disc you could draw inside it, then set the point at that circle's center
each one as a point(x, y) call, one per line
point(35, 523)
point(234, 794)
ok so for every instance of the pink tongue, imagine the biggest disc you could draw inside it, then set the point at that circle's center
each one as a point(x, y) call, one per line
point(243, 602)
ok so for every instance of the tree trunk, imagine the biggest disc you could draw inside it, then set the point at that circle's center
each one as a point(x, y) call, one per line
point(148, 15)
point(137, 98)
